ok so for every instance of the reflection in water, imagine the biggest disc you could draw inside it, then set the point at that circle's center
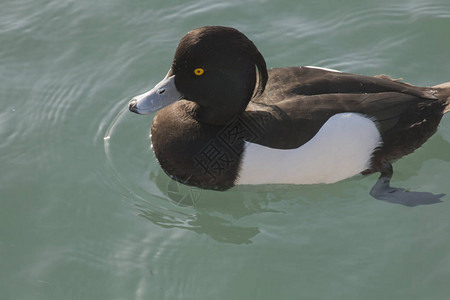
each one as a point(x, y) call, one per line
point(215, 214)
point(436, 152)
point(217, 228)
point(432, 149)
point(182, 195)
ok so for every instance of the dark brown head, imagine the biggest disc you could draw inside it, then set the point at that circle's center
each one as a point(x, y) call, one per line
point(214, 67)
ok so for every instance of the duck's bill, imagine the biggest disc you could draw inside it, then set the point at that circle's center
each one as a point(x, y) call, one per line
point(163, 94)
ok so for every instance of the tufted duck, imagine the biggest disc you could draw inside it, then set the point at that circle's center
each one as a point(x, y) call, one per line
point(223, 119)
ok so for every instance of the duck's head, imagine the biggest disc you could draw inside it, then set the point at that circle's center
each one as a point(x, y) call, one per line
point(214, 67)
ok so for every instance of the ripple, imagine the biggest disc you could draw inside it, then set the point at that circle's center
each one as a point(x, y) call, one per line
point(194, 9)
point(132, 170)
point(302, 27)
point(131, 165)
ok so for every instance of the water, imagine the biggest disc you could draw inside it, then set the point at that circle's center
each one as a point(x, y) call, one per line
point(84, 217)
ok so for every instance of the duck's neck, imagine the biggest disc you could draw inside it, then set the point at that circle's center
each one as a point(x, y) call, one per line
point(217, 116)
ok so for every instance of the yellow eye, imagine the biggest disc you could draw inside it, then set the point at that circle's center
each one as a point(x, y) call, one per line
point(199, 71)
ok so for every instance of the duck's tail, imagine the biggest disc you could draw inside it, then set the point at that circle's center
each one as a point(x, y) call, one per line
point(443, 94)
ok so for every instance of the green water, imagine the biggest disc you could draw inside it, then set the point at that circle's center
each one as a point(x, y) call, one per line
point(84, 217)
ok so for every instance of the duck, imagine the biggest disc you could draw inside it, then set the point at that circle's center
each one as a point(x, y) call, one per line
point(224, 119)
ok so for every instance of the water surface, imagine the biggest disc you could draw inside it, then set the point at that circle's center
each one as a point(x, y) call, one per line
point(84, 217)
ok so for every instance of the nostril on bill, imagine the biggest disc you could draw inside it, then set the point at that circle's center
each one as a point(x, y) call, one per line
point(132, 105)
point(161, 91)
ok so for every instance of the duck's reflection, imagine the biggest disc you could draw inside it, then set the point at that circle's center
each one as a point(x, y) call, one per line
point(216, 214)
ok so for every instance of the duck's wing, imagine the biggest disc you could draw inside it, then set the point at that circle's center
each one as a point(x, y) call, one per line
point(284, 83)
point(299, 100)
point(293, 122)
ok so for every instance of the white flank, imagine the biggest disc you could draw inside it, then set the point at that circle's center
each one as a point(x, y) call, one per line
point(325, 69)
point(342, 148)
